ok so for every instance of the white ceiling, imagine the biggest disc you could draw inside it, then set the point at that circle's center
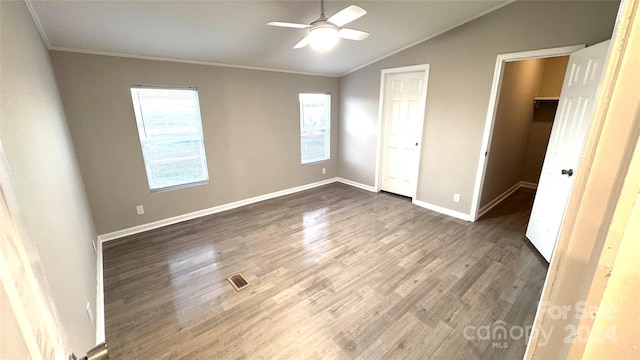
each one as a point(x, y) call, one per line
point(235, 32)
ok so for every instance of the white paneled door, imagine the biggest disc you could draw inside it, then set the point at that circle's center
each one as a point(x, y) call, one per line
point(570, 128)
point(403, 116)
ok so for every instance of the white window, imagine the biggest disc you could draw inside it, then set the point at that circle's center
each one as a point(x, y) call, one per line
point(315, 123)
point(170, 133)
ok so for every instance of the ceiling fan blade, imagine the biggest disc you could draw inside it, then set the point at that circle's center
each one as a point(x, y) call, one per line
point(347, 15)
point(351, 34)
point(304, 42)
point(287, 24)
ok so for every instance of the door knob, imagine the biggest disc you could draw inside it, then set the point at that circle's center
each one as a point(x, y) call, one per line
point(567, 172)
point(416, 144)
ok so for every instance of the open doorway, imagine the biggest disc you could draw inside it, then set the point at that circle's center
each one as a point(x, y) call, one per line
point(562, 150)
point(514, 144)
point(527, 104)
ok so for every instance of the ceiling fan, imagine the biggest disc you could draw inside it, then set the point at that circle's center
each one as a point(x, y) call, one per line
point(325, 32)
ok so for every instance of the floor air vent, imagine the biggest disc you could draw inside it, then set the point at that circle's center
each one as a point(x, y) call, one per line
point(238, 282)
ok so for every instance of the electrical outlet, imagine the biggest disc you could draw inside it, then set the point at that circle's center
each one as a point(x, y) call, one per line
point(324, 170)
point(140, 209)
point(89, 313)
point(456, 197)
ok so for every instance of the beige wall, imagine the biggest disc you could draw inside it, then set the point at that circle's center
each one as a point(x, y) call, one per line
point(554, 69)
point(51, 201)
point(462, 62)
point(536, 146)
point(511, 130)
point(543, 115)
point(250, 123)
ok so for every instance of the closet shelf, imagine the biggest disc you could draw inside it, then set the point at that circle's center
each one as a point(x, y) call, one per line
point(539, 99)
point(546, 98)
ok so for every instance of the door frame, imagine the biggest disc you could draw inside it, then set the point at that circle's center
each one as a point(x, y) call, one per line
point(379, 153)
point(501, 60)
point(24, 281)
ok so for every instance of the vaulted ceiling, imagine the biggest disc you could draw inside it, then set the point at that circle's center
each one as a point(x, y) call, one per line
point(235, 32)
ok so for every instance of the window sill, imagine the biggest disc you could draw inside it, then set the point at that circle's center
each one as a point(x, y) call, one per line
point(315, 162)
point(177, 187)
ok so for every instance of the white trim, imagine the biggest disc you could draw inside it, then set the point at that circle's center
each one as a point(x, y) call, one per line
point(37, 22)
point(357, 184)
point(406, 69)
point(383, 78)
point(49, 46)
point(204, 212)
point(100, 323)
point(22, 278)
point(429, 37)
point(493, 203)
point(493, 106)
point(442, 210)
point(184, 61)
point(376, 182)
point(43, 34)
point(302, 98)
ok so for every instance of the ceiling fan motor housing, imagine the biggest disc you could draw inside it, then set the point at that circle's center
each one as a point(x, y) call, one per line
point(323, 23)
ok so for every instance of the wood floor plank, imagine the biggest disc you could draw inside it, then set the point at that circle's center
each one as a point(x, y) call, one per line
point(335, 272)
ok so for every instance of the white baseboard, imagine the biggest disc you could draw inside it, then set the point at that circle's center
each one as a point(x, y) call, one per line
point(442, 210)
point(528, 185)
point(100, 320)
point(204, 212)
point(357, 184)
point(100, 323)
point(493, 203)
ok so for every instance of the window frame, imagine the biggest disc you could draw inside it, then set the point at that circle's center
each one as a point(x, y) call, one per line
point(202, 156)
point(327, 127)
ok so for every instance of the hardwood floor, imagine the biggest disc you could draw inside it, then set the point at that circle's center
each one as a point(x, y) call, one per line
point(335, 272)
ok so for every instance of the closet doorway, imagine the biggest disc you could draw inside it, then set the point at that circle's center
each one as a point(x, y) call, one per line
point(526, 108)
point(522, 108)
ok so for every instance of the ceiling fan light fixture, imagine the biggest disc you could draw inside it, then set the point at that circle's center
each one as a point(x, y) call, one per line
point(324, 38)
point(324, 33)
